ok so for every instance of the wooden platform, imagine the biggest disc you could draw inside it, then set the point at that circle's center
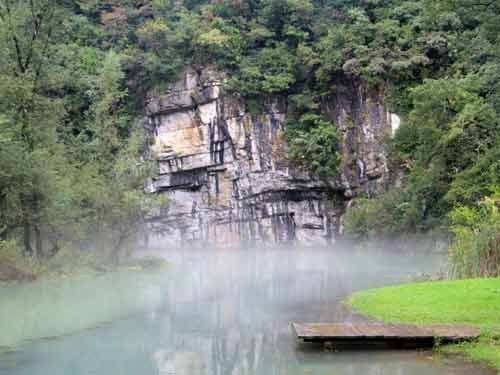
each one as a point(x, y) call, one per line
point(393, 335)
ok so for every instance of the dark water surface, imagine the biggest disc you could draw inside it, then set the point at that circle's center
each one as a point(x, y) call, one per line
point(229, 312)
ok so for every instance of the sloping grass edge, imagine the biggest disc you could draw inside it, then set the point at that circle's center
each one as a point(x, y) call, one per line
point(472, 301)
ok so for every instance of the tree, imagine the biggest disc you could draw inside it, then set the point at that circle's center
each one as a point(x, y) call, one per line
point(112, 184)
point(66, 134)
point(27, 34)
point(270, 71)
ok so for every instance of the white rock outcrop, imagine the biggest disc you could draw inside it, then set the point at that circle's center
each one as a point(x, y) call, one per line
point(226, 171)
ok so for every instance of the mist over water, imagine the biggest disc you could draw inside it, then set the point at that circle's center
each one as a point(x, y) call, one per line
point(228, 312)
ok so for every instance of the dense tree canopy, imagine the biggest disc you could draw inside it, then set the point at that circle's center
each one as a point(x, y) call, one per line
point(69, 154)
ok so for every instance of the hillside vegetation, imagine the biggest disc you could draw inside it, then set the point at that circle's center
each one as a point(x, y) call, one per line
point(75, 74)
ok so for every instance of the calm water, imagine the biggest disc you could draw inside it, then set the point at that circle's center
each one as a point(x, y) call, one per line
point(228, 313)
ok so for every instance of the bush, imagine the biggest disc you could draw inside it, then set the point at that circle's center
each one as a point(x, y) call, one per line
point(390, 213)
point(475, 251)
point(15, 266)
point(270, 71)
point(313, 144)
point(474, 183)
point(360, 220)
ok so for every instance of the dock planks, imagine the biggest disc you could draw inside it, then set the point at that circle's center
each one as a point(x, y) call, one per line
point(393, 335)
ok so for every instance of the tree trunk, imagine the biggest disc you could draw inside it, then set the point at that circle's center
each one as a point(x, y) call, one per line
point(28, 250)
point(117, 248)
point(38, 241)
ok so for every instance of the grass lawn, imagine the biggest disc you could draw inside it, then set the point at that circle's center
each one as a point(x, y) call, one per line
point(473, 302)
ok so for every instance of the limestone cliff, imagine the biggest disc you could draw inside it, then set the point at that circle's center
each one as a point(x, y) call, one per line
point(226, 172)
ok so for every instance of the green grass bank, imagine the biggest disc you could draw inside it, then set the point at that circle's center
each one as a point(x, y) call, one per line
point(473, 302)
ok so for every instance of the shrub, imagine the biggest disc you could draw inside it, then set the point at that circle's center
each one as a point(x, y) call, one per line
point(361, 219)
point(313, 144)
point(389, 213)
point(15, 266)
point(475, 251)
point(270, 71)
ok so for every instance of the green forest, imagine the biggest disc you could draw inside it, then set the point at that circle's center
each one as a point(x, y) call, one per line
point(75, 76)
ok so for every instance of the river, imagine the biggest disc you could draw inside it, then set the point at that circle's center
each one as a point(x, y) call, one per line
point(228, 312)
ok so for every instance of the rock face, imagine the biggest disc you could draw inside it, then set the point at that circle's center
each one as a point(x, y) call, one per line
point(226, 172)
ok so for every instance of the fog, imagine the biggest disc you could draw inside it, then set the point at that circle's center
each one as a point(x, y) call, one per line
point(228, 312)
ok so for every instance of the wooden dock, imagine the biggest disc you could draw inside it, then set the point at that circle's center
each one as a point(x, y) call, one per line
point(386, 335)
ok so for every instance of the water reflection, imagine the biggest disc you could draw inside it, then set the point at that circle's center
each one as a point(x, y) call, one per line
point(229, 312)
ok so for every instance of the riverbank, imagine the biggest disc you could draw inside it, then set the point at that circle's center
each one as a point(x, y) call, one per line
point(67, 262)
point(473, 302)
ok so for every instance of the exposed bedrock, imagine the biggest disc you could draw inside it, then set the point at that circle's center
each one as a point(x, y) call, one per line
point(226, 172)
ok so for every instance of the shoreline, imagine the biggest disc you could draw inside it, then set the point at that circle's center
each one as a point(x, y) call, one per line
point(474, 302)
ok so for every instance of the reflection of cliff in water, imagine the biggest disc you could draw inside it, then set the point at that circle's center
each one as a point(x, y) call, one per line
point(229, 311)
